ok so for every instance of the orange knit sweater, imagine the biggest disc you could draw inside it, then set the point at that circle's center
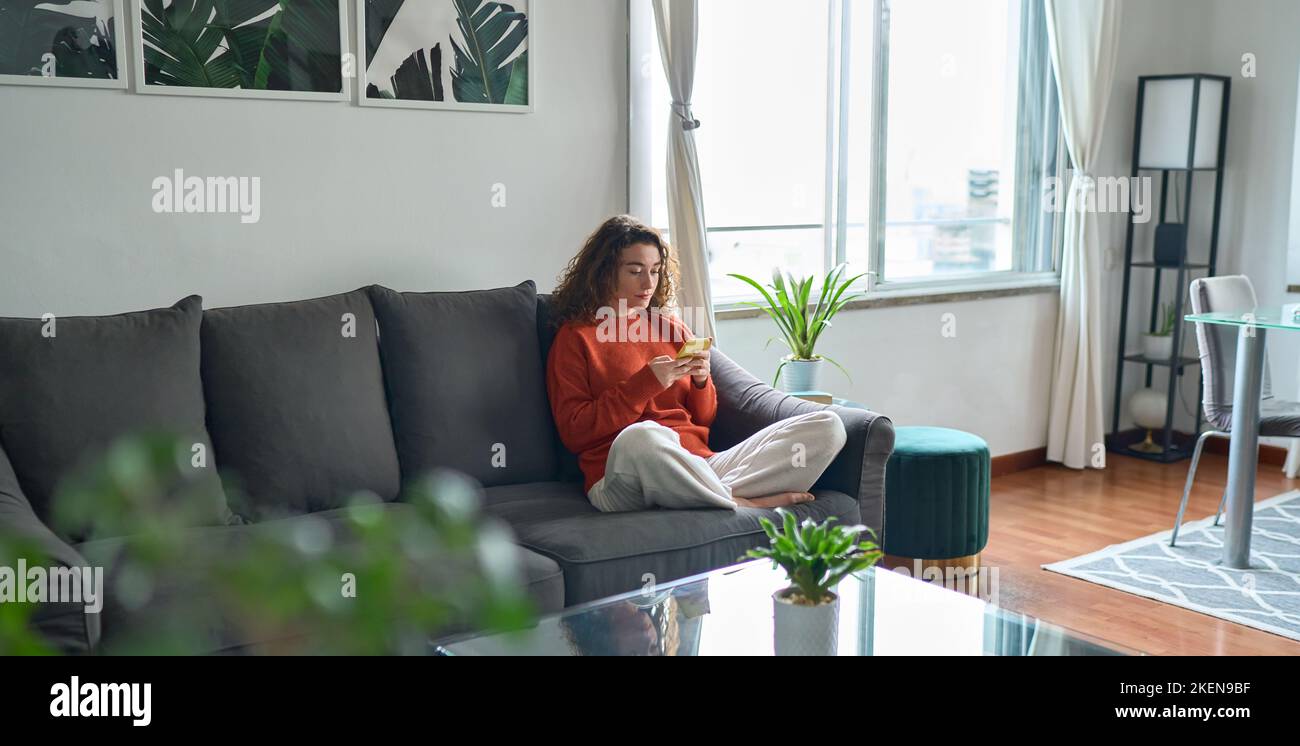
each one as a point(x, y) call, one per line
point(598, 387)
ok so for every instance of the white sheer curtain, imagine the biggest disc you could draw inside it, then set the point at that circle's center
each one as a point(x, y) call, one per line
point(677, 22)
point(1084, 39)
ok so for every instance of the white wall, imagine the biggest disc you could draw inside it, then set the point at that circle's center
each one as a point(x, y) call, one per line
point(1210, 36)
point(1258, 200)
point(350, 196)
point(992, 378)
point(1158, 37)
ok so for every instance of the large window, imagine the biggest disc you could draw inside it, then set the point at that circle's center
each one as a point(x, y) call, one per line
point(909, 138)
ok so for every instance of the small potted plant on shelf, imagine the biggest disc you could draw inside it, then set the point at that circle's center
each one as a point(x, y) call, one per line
point(801, 321)
point(815, 557)
point(1159, 345)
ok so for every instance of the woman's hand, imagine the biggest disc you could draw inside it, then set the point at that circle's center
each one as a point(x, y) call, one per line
point(700, 368)
point(669, 370)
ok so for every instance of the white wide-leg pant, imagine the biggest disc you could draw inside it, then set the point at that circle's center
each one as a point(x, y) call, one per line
point(647, 466)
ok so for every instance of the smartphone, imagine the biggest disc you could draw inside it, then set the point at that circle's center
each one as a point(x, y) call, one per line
point(694, 347)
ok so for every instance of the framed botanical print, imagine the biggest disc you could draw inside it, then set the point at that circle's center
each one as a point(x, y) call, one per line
point(467, 55)
point(62, 43)
point(242, 48)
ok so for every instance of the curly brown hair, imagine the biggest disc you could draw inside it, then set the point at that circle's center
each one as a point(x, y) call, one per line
point(590, 280)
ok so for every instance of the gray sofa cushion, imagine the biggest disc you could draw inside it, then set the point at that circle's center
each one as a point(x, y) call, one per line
point(603, 554)
point(64, 397)
point(570, 471)
point(544, 581)
point(296, 407)
point(466, 384)
point(167, 614)
point(65, 626)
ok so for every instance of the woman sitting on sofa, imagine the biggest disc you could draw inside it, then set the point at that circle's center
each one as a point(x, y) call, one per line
point(639, 418)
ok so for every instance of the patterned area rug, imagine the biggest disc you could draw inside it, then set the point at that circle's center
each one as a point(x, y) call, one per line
point(1266, 597)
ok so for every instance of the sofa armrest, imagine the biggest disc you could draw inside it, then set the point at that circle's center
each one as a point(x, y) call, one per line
point(747, 405)
point(65, 626)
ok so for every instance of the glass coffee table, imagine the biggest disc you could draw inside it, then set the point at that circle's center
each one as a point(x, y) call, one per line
point(729, 612)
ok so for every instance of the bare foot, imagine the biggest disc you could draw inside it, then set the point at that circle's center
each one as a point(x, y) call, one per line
point(782, 500)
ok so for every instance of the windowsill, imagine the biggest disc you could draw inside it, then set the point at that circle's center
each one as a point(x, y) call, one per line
point(916, 296)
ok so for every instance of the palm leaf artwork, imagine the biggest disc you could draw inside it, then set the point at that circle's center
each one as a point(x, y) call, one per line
point(86, 51)
point(18, 30)
point(488, 58)
point(517, 91)
point(82, 46)
point(303, 50)
point(181, 47)
point(244, 25)
point(379, 16)
point(276, 45)
point(488, 53)
point(418, 78)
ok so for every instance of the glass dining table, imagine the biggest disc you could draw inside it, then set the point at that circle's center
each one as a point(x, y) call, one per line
point(1243, 449)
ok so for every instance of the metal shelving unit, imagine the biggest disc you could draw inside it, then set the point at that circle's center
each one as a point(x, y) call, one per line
point(1176, 446)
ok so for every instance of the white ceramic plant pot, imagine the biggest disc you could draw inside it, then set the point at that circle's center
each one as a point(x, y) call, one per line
point(1158, 348)
point(801, 375)
point(805, 630)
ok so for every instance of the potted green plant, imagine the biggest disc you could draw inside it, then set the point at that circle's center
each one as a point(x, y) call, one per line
point(1159, 345)
point(801, 321)
point(815, 557)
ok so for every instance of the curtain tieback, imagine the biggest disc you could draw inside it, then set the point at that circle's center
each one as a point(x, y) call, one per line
point(683, 112)
point(1083, 182)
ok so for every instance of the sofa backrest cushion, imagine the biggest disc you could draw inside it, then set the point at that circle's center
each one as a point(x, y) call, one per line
point(569, 470)
point(70, 386)
point(296, 405)
point(466, 386)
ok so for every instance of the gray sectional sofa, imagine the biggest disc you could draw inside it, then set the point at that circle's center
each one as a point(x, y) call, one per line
point(300, 415)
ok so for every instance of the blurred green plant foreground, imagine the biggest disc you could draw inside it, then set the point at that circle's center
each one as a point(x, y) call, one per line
point(377, 582)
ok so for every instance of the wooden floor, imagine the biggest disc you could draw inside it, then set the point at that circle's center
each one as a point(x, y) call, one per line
point(1051, 513)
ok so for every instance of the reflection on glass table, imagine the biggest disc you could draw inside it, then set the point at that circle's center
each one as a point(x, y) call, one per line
point(729, 612)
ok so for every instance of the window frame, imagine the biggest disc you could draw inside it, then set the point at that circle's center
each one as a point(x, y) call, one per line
point(1021, 274)
point(874, 286)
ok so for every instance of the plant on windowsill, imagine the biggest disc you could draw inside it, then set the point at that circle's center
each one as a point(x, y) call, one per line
point(815, 557)
point(802, 322)
point(1159, 345)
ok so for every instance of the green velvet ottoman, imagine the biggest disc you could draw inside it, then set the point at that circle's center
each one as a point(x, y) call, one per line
point(937, 496)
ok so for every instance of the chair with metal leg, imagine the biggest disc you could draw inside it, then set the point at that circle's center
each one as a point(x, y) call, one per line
point(1191, 477)
point(1218, 345)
